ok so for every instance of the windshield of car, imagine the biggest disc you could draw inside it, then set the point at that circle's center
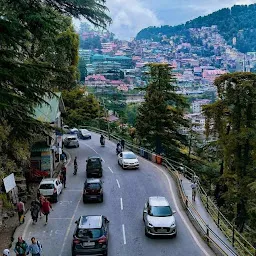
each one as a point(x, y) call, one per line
point(93, 186)
point(72, 138)
point(94, 163)
point(129, 156)
point(46, 186)
point(161, 211)
point(89, 233)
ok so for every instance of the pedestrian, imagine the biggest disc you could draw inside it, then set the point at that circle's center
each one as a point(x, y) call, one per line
point(6, 252)
point(35, 209)
point(194, 188)
point(41, 200)
point(122, 144)
point(21, 211)
point(21, 247)
point(46, 207)
point(64, 175)
point(35, 248)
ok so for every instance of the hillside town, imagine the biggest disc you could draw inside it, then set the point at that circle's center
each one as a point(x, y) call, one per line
point(120, 65)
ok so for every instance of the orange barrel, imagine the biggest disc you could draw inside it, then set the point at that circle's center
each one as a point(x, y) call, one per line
point(153, 158)
point(158, 159)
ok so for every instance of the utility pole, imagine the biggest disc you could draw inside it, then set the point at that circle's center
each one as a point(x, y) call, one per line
point(106, 114)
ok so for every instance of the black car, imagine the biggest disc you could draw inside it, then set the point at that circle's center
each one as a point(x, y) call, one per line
point(91, 236)
point(94, 167)
point(93, 190)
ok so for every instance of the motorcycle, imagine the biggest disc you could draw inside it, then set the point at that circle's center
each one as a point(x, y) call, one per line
point(75, 170)
point(118, 150)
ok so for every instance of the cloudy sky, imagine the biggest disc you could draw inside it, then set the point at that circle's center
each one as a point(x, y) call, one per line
point(130, 16)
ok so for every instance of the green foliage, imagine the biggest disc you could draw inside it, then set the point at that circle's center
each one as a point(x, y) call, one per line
point(92, 42)
point(233, 120)
point(160, 117)
point(80, 107)
point(82, 69)
point(130, 113)
point(239, 22)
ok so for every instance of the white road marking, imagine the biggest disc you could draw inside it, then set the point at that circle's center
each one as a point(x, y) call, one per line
point(121, 202)
point(124, 237)
point(110, 169)
point(118, 184)
point(103, 160)
point(26, 228)
point(69, 227)
point(69, 159)
point(94, 151)
point(73, 190)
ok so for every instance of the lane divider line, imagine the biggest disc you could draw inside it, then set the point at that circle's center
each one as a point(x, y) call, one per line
point(94, 151)
point(69, 226)
point(60, 218)
point(118, 184)
point(121, 202)
point(110, 169)
point(124, 237)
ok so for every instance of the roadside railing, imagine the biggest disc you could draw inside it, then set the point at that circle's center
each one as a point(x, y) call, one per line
point(241, 245)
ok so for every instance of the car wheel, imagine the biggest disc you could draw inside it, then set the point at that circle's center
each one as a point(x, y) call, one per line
point(146, 233)
point(101, 199)
point(55, 198)
point(106, 254)
point(84, 201)
point(175, 234)
point(100, 175)
point(90, 137)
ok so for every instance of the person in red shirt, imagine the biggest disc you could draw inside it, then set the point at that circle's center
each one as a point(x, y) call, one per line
point(46, 207)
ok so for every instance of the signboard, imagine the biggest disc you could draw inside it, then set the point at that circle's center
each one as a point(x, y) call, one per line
point(45, 160)
point(9, 183)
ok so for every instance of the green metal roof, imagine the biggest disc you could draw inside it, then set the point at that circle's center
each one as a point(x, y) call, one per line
point(40, 147)
point(48, 112)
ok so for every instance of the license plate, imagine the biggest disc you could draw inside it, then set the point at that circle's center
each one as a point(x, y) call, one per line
point(88, 243)
point(162, 230)
point(93, 196)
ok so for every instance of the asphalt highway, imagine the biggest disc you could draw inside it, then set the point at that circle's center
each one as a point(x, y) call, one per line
point(125, 193)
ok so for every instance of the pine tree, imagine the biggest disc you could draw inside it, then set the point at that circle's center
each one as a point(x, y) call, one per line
point(233, 120)
point(161, 117)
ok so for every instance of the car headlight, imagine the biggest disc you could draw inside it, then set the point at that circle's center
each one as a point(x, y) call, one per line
point(150, 225)
point(173, 225)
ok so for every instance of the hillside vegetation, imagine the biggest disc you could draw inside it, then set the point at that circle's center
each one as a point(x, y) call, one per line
point(239, 22)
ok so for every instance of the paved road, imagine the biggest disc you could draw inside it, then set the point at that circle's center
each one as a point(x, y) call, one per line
point(125, 193)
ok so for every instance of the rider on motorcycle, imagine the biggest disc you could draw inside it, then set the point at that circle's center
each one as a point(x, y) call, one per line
point(118, 148)
point(102, 140)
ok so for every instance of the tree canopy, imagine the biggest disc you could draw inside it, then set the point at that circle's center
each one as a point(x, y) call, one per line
point(161, 117)
point(232, 119)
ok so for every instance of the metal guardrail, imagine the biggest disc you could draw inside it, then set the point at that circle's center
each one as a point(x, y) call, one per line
point(243, 247)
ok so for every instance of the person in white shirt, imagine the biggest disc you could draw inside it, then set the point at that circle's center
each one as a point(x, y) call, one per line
point(6, 252)
point(194, 187)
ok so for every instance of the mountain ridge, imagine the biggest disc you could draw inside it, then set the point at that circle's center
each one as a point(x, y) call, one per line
point(237, 22)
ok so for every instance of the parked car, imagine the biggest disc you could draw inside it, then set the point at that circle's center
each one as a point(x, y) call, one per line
point(158, 217)
point(84, 134)
point(71, 141)
point(66, 129)
point(93, 190)
point(74, 131)
point(94, 167)
point(128, 159)
point(91, 236)
point(50, 188)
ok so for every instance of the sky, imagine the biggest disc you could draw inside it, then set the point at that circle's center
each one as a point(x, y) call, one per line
point(130, 16)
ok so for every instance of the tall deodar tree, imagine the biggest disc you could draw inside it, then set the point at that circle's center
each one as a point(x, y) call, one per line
point(232, 118)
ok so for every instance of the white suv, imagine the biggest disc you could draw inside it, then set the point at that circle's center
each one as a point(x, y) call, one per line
point(158, 217)
point(50, 187)
point(71, 141)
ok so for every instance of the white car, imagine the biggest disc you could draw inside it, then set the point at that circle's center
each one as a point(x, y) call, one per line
point(158, 217)
point(128, 159)
point(84, 134)
point(71, 141)
point(51, 188)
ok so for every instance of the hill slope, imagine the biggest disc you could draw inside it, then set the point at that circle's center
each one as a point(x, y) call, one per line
point(239, 22)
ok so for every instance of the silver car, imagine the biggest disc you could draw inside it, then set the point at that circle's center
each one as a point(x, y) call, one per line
point(128, 159)
point(158, 217)
point(71, 141)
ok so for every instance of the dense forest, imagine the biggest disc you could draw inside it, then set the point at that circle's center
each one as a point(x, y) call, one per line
point(239, 22)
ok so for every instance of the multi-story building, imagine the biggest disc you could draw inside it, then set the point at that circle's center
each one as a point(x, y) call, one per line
point(198, 104)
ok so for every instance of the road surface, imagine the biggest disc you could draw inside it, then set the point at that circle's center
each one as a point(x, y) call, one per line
point(125, 193)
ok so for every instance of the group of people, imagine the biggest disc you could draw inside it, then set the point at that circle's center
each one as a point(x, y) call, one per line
point(22, 248)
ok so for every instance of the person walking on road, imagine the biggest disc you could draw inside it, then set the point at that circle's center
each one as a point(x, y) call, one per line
point(21, 247)
point(46, 207)
point(35, 209)
point(21, 211)
point(6, 252)
point(35, 248)
point(194, 188)
point(122, 144)
point(41, 200)
point(64, 175)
